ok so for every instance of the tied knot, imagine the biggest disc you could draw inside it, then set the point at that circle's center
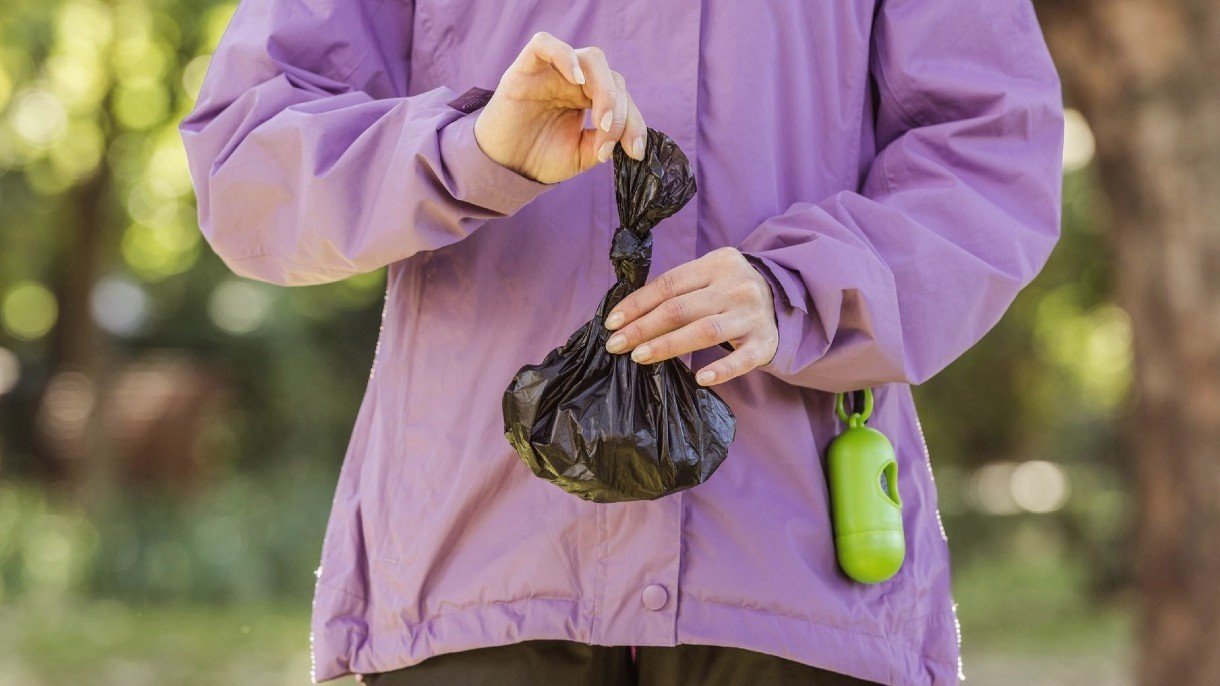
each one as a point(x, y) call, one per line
point(631, 255)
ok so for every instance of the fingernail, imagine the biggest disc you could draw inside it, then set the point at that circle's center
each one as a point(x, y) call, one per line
point(614, 321)
point(603, 153)
point(641, 354)
point(705, 377)
point(617, 343)
point(607, 120)
point(579, 75)
point(638, 146)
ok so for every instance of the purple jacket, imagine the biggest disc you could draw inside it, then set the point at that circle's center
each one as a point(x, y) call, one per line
point(895, 166)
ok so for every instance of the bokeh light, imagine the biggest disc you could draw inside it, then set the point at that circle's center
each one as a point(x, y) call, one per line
point(157, 253)
point(77, 79)
point(167, 164)
point(193, 73)
point(38, 117)
point(239, 307)
point(28, 310)
point(153, 203)
point(120, 306)
point(1092, 347)
point(1039, 486)
point(1008, 488)
point(141, 104)
point(1079, 147)
point(80, 151)
point(140, 60)
point(84, 25)
point(991, 489)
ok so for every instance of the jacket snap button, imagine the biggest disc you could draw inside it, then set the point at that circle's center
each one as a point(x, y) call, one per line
point(654, 597)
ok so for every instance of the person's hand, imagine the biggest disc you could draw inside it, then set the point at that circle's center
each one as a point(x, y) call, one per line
point(534, 123)
point(717, 298)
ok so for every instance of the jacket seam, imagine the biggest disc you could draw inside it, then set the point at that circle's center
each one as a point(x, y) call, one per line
point(886, 173)
point(884, 81)
point(335, 587)
point(490, 188)
point(359, 60)
point(466, 609)
point(261, 252)
point(414, 626)
point(264, 252)
point(599, 579)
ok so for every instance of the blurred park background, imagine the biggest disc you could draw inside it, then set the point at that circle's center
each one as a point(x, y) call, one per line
point(170, 434)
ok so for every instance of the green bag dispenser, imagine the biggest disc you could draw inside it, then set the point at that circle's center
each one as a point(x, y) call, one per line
point(864, 498)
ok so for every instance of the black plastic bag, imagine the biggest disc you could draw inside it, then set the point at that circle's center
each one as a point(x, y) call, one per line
point(601, 426)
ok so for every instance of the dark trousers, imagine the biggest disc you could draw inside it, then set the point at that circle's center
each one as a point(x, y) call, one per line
point(564, 663)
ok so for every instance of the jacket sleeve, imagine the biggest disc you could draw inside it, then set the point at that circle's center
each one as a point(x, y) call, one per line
point(958, 211)
point(309, 161)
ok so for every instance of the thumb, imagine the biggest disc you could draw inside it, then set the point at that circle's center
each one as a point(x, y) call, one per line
point(587, 151)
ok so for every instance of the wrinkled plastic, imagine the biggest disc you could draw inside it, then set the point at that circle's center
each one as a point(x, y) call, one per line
point(601, 426)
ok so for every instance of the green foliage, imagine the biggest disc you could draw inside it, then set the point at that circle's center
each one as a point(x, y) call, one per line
point(91, 92)
point(1049, 383)
point(254, 538)
point(105, 642)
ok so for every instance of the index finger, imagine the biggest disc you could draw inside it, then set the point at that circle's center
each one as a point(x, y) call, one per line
point(602, 89)
point(681, 279)
point(547, 51)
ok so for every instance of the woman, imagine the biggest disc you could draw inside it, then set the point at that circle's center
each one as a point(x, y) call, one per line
point(877, 180)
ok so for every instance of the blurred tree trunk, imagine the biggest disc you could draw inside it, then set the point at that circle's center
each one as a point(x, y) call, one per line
point(75, 343)
point(69, 420)
point(66, 401)
point(71, 443)
point(1144, 73)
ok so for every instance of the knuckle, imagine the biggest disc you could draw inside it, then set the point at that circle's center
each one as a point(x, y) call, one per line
point(749, 358)
point(595, 52)
point(723, 255)
point(540, 37)
point(634, 333)
point(661, 348)
point(770, 348)
point(728, 367)
point(750, 291)
point(760, 290)
point(711, 328)
point(673, 311)
point(667, 286)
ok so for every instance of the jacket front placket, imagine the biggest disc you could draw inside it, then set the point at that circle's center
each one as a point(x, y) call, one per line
point(637, 586)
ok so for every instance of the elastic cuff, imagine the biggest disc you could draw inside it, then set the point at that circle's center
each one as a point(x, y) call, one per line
point(789, 302)
point(479, 180)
